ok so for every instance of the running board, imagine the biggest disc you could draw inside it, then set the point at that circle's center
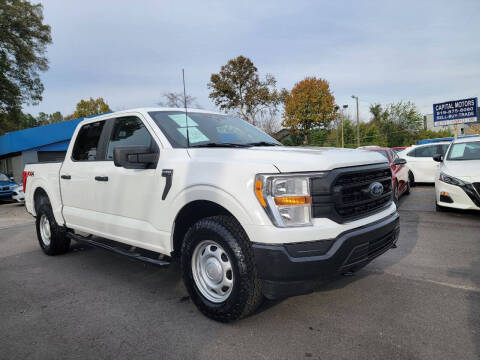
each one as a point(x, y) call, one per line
point(119, 250)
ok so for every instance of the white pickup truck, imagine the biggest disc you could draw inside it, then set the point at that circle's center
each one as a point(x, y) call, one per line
point(246, 217)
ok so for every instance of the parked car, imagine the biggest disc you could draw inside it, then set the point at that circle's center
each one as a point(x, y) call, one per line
point(245, 216)
point(420, 161)
point(7, 184)
point(400, 180)
point(457, 184)
point(397, 149)
point(18, 194)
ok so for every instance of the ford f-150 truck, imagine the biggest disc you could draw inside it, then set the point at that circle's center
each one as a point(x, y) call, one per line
point(246, 217)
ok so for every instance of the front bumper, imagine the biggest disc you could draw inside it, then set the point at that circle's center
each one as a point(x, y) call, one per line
point(293, 269)
point(4, 194)
point(458, 197)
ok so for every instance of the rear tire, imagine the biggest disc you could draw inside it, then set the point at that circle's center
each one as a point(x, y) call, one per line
point(407, 191)
point(211, 247)
point(411, 179)
point(51, 236)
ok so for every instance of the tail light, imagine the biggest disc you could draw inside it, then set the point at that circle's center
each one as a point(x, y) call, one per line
point(25, 175)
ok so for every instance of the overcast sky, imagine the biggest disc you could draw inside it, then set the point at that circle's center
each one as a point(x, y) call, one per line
point(130, 52)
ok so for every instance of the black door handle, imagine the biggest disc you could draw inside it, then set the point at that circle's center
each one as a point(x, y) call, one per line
point(66, 177)
point(101, 178)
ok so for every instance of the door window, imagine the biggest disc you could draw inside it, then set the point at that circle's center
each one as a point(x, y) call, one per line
point(425, 151)
point(86, 144)
point(128, 131)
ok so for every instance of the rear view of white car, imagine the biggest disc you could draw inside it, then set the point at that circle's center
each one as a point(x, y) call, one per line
point(420, 163)
point(457, 184)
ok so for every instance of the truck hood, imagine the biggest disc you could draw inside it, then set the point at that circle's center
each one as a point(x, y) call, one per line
point(466, 169)
point(292, 159)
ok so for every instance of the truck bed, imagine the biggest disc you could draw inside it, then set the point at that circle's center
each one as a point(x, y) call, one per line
point(46, 176)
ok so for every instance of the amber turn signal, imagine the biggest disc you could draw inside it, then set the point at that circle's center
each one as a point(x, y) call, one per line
point(293, 200)
point(259, 193)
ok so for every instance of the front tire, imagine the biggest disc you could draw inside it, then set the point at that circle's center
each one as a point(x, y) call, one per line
point(407, 191)
point(218, 269)
point(395, 193)
point(51, 236)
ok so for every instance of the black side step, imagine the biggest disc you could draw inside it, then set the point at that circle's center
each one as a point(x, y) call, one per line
point(118, 250)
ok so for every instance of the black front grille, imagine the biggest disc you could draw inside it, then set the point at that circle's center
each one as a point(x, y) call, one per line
point(355, 196)
point(344, 194)
point(473, 192)
point(477, 187)
point(6, 188)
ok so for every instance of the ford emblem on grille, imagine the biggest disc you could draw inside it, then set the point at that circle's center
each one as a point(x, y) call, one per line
point(375, 189)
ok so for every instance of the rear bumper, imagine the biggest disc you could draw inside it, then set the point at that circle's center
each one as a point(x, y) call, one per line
point(292, 269)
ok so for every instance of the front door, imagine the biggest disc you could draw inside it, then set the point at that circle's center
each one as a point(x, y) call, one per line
point(129, 199)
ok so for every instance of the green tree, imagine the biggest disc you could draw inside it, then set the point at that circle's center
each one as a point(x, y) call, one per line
point(238, 87)
point(89, 107)
point(23, 41)
point(309, 105)
point(397, 124)
point(45, 119)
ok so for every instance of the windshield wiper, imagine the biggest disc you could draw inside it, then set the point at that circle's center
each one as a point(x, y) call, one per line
point(212, 144)
point(263, 143)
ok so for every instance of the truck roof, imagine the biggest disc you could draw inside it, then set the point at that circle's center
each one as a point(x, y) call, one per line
point(144, 110)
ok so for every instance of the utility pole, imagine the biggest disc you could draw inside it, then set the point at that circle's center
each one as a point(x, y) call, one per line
point(358, 122)
point(343, 118)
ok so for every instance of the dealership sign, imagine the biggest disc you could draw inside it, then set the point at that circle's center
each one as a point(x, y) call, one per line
point(455, 112)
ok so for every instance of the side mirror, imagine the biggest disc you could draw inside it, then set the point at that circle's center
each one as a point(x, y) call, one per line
point(135, 157)
point(12, 178)
point(437, 157)
point(399, 161)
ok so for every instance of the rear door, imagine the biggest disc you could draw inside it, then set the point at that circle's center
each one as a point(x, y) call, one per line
point(77, 174)
point(422, 164)
point(401, 172)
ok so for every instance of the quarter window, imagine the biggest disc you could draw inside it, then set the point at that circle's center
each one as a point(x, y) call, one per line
point(86, 144)
point(128, 131)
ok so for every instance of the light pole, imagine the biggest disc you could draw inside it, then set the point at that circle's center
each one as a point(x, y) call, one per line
point(358, 122)
point(343, 118)
point(337, 121)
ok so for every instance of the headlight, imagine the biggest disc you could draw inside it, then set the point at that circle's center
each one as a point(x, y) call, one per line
point(285, 198)
point(450, 180)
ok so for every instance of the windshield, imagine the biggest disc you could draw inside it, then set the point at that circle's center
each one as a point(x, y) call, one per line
point(4, 177)
point(465, 151)
point(209, 130)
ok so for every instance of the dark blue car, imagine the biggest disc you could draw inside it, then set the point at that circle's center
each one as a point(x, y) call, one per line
point(6, 186)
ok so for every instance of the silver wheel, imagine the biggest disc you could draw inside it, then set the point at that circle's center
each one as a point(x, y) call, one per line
point(212, 271)
point(45, 232)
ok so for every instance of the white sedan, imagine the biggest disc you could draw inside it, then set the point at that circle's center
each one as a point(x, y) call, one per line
point(457, 183)
point(420, 163)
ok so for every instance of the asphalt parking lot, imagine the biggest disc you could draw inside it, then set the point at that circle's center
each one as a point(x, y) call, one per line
point(419, 301)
